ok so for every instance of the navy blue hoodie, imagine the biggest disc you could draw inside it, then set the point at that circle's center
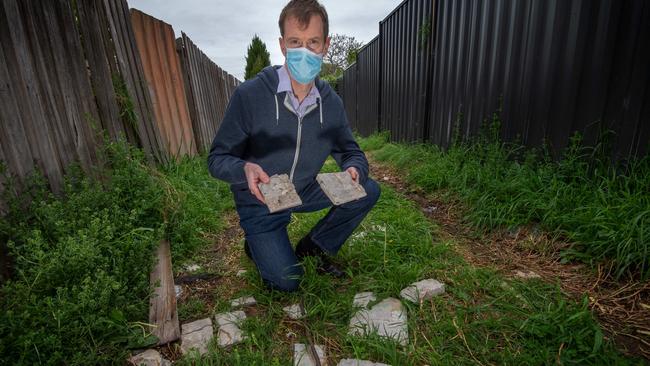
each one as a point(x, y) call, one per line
point(261, 127)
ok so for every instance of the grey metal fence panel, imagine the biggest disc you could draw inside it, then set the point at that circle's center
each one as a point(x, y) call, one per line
point(368, 65)
point(406, 40)
point(554, 67)
point(350, 94)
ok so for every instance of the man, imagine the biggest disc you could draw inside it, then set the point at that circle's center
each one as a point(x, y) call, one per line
point(285, 121)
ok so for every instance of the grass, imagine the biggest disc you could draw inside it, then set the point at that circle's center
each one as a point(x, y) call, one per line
point(602, 208)
point(80, 286)
point(484, 318)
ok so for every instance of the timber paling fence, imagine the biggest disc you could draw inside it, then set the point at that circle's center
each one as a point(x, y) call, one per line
point(71, 71)
point(440, 68)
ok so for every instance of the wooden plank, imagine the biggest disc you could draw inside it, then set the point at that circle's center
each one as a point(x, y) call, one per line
point(163, 314)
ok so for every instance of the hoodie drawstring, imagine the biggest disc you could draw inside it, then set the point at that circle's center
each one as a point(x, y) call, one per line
point(277, 111)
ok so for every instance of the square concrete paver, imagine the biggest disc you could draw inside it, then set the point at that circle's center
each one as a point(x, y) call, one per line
point(197, 335)
point(362, 299)
point(387, 319)
point(302, 356)
point(229, 332)
point(243, 301)
point(340, 187)
point(355, 362)
point(422, 290)
point(279, 193)
point(150, 357)
point(294, 311)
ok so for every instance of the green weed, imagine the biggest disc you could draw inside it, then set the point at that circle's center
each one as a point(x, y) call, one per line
point(602, 208)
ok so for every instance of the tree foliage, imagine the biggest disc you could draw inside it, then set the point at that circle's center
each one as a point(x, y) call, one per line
point(257, 58)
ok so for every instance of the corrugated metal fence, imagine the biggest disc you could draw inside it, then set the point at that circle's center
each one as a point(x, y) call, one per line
point(70, 70)
point(551, 67)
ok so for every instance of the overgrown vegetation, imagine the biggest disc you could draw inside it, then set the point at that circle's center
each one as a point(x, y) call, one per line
point(80, 282)
point(602, 208)
point(484, 318)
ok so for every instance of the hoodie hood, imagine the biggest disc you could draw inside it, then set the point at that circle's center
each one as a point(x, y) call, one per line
point(269, 76)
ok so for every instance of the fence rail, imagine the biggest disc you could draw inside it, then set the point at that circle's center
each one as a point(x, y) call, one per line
point(550, 67)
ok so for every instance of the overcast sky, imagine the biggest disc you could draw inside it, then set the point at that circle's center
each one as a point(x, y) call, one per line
point(223, 29)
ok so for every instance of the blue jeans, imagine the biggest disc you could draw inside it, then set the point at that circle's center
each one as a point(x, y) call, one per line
point(267, 236)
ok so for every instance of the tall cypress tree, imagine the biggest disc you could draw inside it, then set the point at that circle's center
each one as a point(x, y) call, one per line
point(257, 58)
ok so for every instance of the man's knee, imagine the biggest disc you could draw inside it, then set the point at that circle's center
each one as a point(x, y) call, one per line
point(373, 191)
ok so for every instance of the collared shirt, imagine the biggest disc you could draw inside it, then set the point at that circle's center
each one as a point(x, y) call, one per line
point(284, 85)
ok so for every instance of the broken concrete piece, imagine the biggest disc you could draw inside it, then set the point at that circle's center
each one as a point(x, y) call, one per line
point(422, 290)
point(387, 319)
point(355, 362)
point(362, 299)
point(179, 291)
point(279, 193)
point(241, 272)
point(196, 335)
point(192, 267)
point(303, 357)
point(150, 357)
point(243, 301)
point(294, 311)
point(527, 275)
point(229, 332)
point(340, 187)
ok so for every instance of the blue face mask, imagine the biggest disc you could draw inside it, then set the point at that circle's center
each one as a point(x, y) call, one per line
point(303, 64)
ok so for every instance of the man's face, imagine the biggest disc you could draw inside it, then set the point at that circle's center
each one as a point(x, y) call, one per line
point(311, 37)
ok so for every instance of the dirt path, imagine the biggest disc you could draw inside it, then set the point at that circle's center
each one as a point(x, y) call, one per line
point(622, 307)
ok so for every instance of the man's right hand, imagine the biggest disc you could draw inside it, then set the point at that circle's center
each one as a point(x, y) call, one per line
point(255, 175)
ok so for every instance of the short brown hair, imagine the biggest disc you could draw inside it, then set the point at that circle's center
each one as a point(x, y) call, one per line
point(303, 10)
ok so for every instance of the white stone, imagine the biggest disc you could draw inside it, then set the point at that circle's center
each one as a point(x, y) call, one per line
point(229, 332)
point(197, 335)
point(422, 290)
point(243, 301)
point(294, 311)
point(527, 275)
point(340, 187)
point(302, 357)
point(150, 357)
point(387, 319)
point(178, 290)
point(241, 272)
point(355, 362)
point(362, 299)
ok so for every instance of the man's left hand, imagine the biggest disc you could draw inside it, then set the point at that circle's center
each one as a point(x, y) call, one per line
point(353, 173)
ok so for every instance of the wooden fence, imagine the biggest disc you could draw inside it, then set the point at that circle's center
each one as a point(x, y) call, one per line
point(162, 69)
point(208, 89)
point(71, 71)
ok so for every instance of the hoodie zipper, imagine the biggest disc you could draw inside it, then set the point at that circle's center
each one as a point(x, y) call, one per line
point(297, 154)
point(299, 134)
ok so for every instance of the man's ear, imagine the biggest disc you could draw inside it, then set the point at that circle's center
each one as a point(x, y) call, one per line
point(282, 47)
point(327, 46)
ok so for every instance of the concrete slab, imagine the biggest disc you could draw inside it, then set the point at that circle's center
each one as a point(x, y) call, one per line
point(229, 332)
point(422, 290)
point(294, 311)
point(340, 187)
point(150, 357)
point(362, 299)
point(243, 301)
point(387, 319)
point(355, 362)
point(302, 356)
point(196, 335)
point(280, 194)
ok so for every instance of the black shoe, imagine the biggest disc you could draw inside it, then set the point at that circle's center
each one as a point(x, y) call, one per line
point(247, 250)
point(307, 248)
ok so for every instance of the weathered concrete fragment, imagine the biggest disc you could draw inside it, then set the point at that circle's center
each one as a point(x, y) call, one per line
point(280, 193)
point(340, 187)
